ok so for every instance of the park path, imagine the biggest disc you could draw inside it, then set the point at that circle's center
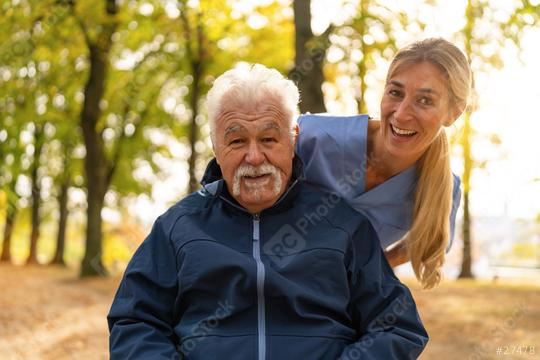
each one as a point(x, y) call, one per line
point(46, 313)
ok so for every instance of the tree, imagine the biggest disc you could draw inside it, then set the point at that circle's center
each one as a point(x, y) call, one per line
point(366, 38)
point(475, 40)
point(38, 141)
point(95, 164)
point(37, 54)
point(11, 212)
point(309, 59)
point(63, 182)
point(119, 104)
point(196, 45)
point(11, 148)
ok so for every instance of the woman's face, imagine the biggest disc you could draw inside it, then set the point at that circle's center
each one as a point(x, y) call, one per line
point(414, 107)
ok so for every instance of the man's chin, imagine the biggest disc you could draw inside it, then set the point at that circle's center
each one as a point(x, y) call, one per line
point(258, 198)
point(257, 205)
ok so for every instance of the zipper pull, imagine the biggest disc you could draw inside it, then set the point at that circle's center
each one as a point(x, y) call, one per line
point(256, 229)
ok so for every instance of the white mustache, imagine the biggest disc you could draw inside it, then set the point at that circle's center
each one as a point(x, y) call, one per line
point(249, 170)
point(252, 171)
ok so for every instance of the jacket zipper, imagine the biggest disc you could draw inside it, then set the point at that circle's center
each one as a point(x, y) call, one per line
point(261, 315)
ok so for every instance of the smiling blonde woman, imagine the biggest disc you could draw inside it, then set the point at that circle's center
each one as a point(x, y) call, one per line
point(396, 170)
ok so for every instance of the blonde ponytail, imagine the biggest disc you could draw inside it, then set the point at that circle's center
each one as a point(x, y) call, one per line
point(430, 232)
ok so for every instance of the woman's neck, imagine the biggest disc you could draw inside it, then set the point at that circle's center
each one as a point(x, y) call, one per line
point(383, 163)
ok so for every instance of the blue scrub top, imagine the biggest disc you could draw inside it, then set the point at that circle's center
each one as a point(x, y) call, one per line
point(334, 152)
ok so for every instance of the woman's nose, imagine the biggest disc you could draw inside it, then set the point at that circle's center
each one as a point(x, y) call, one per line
point(404, 110)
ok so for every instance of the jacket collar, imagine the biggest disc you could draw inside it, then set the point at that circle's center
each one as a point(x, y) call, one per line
point(213, 184)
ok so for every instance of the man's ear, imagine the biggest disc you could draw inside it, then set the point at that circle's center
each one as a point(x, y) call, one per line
point(214, 151)
point(296, 131)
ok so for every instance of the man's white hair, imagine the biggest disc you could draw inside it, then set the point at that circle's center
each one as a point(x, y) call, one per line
point(252, 84)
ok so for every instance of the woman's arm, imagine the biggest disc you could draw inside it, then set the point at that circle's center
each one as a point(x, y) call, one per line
point(397, 255)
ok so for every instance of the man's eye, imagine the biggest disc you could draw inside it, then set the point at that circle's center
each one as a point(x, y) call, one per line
point(268, 140)
point(236, 142)
point(394, 93)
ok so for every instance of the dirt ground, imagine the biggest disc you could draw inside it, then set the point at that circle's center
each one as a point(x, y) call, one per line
point(46, 313)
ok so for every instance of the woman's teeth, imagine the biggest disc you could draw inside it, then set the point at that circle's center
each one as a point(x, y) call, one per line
point(402, 131)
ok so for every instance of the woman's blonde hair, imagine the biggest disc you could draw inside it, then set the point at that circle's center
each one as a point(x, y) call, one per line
point(429, 235)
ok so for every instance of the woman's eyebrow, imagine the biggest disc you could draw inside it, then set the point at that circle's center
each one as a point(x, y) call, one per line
point(424, 90)
point(428, 91)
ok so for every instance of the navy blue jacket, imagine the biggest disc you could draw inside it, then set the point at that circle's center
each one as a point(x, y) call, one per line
point(304, 279)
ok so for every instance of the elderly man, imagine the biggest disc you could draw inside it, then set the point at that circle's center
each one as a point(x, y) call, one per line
point(257, 264)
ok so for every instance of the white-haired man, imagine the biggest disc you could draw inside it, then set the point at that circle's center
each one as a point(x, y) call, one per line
point(257, 264)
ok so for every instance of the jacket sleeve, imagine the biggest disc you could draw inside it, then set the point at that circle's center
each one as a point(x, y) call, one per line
point(383, 310)
point(141, 316)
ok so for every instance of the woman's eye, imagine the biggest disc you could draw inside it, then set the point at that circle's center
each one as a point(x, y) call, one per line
point(425, 101)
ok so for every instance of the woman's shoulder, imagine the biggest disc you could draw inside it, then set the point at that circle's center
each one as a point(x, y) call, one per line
point(329, 133)
point(331, 124)
point(333, 148)
point(325, 132)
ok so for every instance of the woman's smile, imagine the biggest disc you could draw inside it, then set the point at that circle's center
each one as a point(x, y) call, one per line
point(402, 132)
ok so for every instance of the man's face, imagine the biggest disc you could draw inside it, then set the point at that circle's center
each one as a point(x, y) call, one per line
point(255, 150)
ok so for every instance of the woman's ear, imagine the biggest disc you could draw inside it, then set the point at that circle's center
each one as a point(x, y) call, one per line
point(456, 113)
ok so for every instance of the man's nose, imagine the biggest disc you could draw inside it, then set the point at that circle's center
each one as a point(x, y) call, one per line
point(254, 155)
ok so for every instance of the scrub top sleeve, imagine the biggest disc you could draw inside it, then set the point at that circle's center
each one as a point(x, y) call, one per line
point(320, 152)
point(332, 149)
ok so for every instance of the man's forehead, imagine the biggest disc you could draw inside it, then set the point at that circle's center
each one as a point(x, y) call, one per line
point(266, 107)
point(236, 126)
point(263, 113)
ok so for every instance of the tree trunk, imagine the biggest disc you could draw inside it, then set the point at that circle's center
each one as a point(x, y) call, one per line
point(58, 258)
point(195, 53)
point(466, 263)
point(95, 162)
point(194, 127)
point(91, 264)
point(36, 195)
point(362, 66)
point(8, 231)
point(309, 60)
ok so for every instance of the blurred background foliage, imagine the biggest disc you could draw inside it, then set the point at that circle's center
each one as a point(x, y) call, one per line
point(102, 104)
